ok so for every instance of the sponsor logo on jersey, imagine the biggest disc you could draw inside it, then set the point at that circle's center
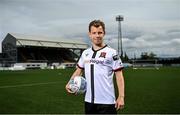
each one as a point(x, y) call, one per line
point(108, 62)
point(94, 61)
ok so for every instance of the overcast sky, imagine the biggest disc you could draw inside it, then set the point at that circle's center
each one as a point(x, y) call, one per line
point(148, 26)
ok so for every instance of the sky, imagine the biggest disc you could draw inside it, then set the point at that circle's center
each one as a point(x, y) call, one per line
point(148, 25)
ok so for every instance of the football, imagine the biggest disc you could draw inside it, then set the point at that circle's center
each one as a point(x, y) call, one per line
point(78, 85)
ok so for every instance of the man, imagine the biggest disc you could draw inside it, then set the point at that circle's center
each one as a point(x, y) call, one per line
point(100, 62)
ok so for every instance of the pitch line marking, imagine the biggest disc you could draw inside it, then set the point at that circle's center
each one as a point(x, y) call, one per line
point(27, 85)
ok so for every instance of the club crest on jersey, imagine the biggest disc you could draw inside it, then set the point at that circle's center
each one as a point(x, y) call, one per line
point(103, 55)
point(116, 57)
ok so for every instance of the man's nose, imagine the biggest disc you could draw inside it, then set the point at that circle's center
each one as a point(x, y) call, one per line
point(97, 35)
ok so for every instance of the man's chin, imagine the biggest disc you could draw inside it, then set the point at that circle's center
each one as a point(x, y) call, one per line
point(99, 44)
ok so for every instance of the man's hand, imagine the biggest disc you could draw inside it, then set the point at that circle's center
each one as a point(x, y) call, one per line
point(78, 72)
point(119, 103)
point(68, 89)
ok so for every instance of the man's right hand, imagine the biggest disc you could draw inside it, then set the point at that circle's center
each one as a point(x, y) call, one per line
point(68, 89)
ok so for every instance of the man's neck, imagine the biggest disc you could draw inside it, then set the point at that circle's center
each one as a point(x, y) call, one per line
point(97, 47)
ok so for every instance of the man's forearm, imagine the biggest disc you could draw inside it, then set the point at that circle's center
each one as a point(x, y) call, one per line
point(120, 84)
point(78, 72)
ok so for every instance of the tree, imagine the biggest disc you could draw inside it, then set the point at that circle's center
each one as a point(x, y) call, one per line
point(152, 55)
point(146, 55)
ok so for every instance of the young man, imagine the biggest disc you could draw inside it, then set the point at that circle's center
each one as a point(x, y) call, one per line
point(100, 62)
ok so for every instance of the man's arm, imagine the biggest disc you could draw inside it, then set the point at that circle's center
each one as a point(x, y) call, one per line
point(120, 84)
point(77, 72)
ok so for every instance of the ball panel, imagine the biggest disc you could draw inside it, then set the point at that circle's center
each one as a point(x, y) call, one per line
point(78, 85)
point(74, 88)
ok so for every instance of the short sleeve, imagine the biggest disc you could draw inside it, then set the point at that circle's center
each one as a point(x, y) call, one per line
point(117, 64)
point(80, 63)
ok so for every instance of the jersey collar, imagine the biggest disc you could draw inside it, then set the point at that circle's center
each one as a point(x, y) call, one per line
point(99, 49)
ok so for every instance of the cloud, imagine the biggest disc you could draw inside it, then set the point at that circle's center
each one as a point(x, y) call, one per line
point(160, 37)
point(152, 26)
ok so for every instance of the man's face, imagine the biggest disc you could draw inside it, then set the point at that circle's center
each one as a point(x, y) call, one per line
point(96, 35)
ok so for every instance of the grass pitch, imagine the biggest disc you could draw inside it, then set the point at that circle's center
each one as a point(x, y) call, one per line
point(43, 92)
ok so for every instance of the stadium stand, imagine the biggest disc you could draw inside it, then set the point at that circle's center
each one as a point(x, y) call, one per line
point(28, 50)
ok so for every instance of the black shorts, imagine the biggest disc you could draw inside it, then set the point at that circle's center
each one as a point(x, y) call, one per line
point(91, 108)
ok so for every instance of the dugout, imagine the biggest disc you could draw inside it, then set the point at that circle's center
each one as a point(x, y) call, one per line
point(18, 48)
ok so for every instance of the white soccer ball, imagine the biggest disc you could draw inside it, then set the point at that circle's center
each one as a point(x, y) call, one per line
point(78, 85)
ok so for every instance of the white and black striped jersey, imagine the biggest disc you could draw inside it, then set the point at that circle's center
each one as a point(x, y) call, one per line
point(99, 67)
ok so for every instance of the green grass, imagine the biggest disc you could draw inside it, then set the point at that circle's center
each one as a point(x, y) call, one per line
point(43, 91)
point(152, 91)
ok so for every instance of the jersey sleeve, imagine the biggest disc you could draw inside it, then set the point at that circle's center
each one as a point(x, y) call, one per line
point(117, 64)
point(80, 63)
